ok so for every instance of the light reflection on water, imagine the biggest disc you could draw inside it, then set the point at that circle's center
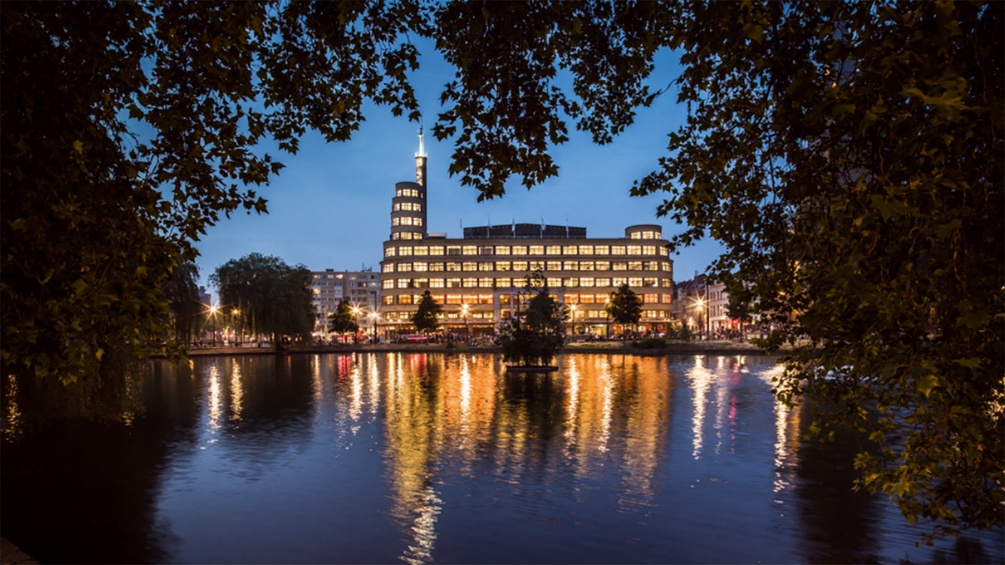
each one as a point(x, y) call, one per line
point(422, 458)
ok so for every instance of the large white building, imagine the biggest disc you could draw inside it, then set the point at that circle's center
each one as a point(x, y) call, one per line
point(478, 278)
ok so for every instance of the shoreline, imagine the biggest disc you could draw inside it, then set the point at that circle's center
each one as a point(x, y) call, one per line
point(605, 347)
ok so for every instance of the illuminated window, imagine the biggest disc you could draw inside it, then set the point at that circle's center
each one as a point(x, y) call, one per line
point(635, 265)
point(387, 300)
point(618, 281)
point(405, 299)
point(436, 267)
point(404, 267)
point(486, 250)
point(554, 265)
point(502, 250)
point(519, 250)
point(635, 281)
point(485, 299)
point(453, 299)
point(553, 250)
point(504, 299)
point(570, 265)
point(503, 283)
point(649, 250)
point(586, 281)
point(617, 250)
point(571, 298)
point(666, 266)
point(421, 267)
point(502, 265)
point(421, 250)
point(453, 266)
point(395, 221)
point(453, 250)
point(666, 283)
point(469, 250)
point(470, 282)
point(421, 283)
point(651, 265)
point(395, 207)
point(388, 268)
point(570, 282)
point(667, 298)
point(586, 250)
point(435, 283)
point(390, 252)
point(603, 265)
point(537, 265)
point(602, 250)
point(650, 298)
point(635, 250)
point(436, 250)
point(586, 265)
point(570, 249)
point(636, 235)
point(554, 282)
point(453, 283)
point(485, 282)
point(603, 281)
point(536, 250)
point(586, 299)
point(470, 266)
point(619, 266)
point(519, 265)
point(649, 281)
point(405, 251)
point(403, 283)
point(387, 284)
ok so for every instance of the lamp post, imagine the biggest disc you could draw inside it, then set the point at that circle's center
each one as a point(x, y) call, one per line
point(373, 317)
point(467, 330)
point(355, 317)
point(572, 310)
point(236, 315)
point(212, 315)
point(699, 305)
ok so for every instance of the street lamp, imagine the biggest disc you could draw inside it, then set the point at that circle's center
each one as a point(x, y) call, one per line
point(572, 311)
point(236, 314)
point(374, 316)
point(467, 330)
point(212, 314)
point(699, 305)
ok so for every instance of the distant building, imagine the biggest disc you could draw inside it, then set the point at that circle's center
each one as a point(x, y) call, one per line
point(329, 287)
point(478, 278)
point(703, 305)
point(205, 298)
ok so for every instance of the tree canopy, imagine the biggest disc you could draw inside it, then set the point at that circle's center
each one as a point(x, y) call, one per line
point(534, 335)
point(271, 297)
point(426, 316)
point(624, 306)
point(343, 319)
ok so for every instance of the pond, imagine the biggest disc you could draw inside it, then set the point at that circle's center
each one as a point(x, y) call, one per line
point(447, 458)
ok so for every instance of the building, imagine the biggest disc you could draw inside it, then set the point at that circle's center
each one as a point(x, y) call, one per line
point(478, 278)
point(703, 306)
point(329, 287)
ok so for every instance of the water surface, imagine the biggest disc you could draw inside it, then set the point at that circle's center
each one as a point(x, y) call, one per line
point(433, 458)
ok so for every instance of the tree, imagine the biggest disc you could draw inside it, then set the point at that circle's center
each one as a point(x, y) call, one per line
point(533, 336)
point(186, 307)
point(127, 129)
point(343, 319)
point(858, 193)
point(624, 307)
point(426, 317)
point(272, 297)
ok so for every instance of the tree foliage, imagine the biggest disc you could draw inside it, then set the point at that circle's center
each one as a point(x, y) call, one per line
point(624, 306)
point(343, 319)
point(426, 317)
point(272, 297)
point(187, 310)
point(128, 128)
point(533, 336)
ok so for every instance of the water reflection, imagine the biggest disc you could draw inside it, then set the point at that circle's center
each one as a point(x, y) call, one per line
point(422, 458)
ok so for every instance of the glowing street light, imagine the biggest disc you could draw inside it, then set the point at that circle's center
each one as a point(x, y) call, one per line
point(374, 316)
point(212, 314)
point(464, 313)
point(572, 311)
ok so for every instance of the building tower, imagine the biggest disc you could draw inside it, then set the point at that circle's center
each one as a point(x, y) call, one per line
point(408, 207)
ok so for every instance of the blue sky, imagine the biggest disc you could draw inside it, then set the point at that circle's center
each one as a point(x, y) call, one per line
point(330, 207)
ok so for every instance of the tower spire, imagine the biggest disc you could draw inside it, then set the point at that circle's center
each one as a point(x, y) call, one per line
point(422, 147)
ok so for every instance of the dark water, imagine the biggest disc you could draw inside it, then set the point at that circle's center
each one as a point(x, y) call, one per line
point(416, 458)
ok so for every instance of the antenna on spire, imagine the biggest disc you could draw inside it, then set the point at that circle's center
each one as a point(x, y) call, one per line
point(422, 146)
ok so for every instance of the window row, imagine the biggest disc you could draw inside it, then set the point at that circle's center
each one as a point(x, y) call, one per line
point(406, 221)
point(406, 206)
point(406, 235)
point(526, 266)
point(412, 192)
point(508, 301)
point(647, 234)
point(553, 282)
point(532, 250)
